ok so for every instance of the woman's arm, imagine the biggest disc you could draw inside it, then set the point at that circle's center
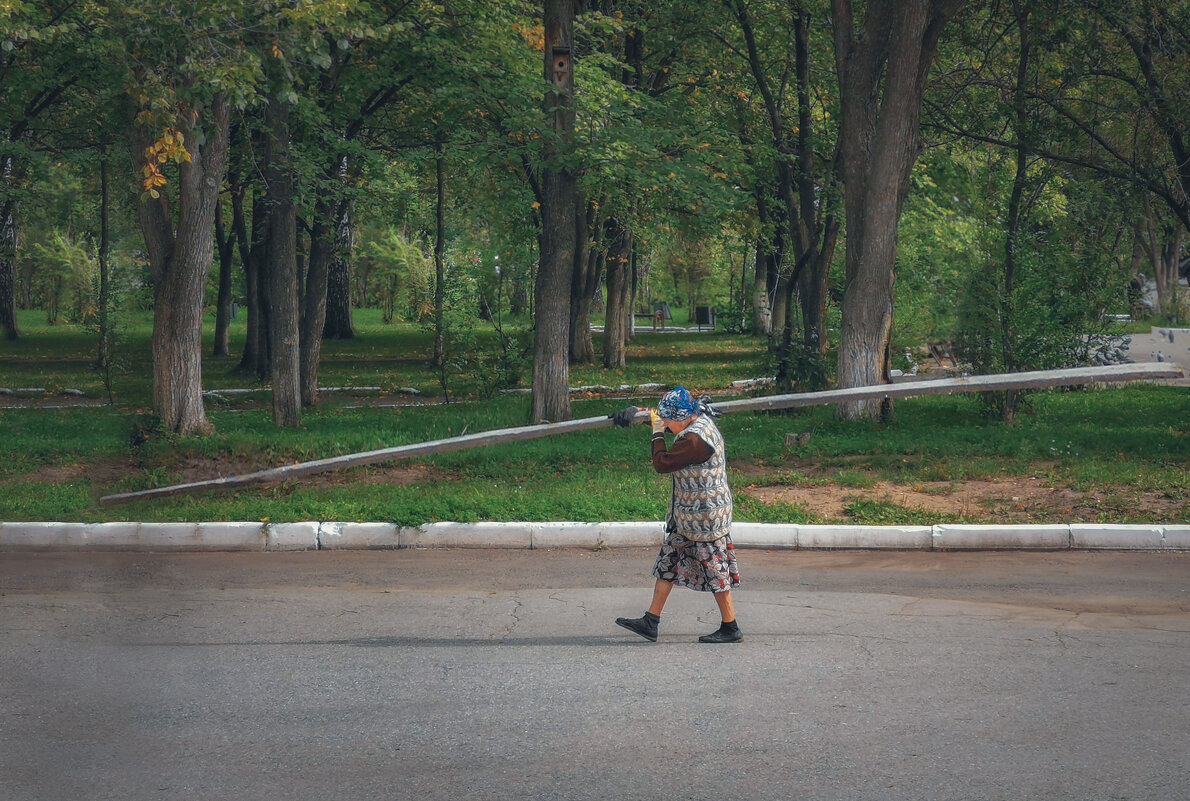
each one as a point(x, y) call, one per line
point(685, 452)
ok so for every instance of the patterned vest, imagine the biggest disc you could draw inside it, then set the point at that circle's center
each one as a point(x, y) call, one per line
point(700, 508)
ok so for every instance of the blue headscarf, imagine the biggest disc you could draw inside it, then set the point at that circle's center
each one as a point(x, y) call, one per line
point(677, 405)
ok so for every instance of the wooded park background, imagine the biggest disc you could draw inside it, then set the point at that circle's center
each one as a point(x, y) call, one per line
point(843, 181)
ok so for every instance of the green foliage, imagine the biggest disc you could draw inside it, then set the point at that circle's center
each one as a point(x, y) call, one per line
point(400, 275)
point(64, 275)
point(1058, 302)
point(941, 243)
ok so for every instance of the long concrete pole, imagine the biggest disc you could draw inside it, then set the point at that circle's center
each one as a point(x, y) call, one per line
point(1031, 380)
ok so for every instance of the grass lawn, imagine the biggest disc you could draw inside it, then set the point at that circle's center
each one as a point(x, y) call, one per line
point(1106, 455)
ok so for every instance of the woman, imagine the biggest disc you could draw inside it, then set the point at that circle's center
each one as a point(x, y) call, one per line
point(697, 552)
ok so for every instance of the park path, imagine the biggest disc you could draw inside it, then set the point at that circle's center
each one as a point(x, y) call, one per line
point(1164, 344)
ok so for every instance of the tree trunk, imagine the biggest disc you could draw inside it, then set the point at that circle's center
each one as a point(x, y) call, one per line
point(180, 253)
point(785, 376)
point(439, 257)
point(1164, 251)
point(1013, 222)
point(225, 244)
point(339, 324)
point(281, 281)
point(588, 233)
point(8, 251)
point(619, 279)
point(551, 365)
point(818, 229)
point(882, 79)
point(255, 359)
point(781, 303)
point(762, 317)
point(633, 292)
point(813, 290)
point(770, 254)
point(742, 300)
point(103, 360)
point(314, 299)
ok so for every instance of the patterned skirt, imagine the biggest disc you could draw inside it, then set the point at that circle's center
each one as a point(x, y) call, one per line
point(703, 566)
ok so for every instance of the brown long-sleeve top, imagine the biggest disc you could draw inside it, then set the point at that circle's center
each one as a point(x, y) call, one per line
point(685, 452)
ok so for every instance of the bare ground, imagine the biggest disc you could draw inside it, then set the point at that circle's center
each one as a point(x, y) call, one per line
point(1014, 498)
point(201, 468)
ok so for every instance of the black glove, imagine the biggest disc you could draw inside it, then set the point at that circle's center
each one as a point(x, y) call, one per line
point(625, 416)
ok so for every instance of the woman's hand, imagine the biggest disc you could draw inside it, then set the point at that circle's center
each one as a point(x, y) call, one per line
point(625, 416)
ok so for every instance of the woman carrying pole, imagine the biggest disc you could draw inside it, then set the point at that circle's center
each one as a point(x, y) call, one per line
point(697, 552)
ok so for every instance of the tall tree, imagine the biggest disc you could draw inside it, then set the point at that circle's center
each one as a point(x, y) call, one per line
point(281, 282)
point(551, 365)
point(185, 73)
point(882, 68)
point(180, 246)
point(804, 193)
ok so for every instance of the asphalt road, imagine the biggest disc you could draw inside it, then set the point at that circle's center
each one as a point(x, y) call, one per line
point(499, 675)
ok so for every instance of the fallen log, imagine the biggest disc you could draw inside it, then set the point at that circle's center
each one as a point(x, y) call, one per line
point(1031, 380)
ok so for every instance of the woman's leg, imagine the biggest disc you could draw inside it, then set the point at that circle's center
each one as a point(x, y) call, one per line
point(728, 631)
point(725, 607)
point(660, 595)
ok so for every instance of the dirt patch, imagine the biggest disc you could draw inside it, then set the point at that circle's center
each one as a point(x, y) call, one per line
point(102, 472)
point(1019, 499)
point(202, 468)
point(49, 402)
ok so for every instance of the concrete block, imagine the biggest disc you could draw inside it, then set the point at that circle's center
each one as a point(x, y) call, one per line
point(565, 535)
point(1176, 538)
point(629, 534)
point(1008, 537)
point(1115, 537)
point(764, 535)
point(467, 535)
point(41, 536)
point(865, 537)
point(109, 537)
point(596, 535)
point(232, 536)
point(292, 537)
point(364, 536)
point(168, 537)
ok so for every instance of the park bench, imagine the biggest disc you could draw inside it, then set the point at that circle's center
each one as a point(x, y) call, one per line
point(659, 315)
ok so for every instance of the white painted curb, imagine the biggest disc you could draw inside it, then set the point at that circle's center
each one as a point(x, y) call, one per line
point(358, 536)
point(235, 536)
point(292, 537)
point(315, 535)
point(1009, 537)
point(865, 537)
point(1115, 537)
point(596, 535)
point(1176, 538)
point(775, 536)
point(467, 535)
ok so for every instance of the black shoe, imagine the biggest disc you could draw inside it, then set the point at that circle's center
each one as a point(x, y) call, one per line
point(723, 635)
point(639, 625)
